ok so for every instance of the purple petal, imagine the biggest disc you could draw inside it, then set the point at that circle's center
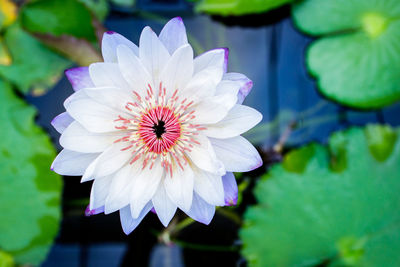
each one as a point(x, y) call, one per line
point(173, 35)
point(230, 189)
point(61, 122)
point(226, 59)
point(79, 78)
point(153, 210)
point(89, 212)
point(201, 211)
point(128, 223)
point(245, 84)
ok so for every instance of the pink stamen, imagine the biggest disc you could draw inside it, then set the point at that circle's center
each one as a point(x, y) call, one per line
point(158, 128)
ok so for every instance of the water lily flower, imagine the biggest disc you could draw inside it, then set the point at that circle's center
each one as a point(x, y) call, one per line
point(156, 128)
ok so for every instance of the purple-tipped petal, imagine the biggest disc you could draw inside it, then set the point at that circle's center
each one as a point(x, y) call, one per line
point(61, 122)
point(128, 223)
point(230, 189)
point(226, 59)
point(79, 78)
point(111, 40)
point(153, 210)
point(173, 35)
point(217, 58)
point(245, 84)
point(201, 211)
point(89, 212)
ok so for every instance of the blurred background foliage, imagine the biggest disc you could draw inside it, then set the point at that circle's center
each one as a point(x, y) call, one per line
point(318, 205)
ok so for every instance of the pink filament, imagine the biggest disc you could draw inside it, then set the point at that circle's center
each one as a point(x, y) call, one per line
point(171, 133)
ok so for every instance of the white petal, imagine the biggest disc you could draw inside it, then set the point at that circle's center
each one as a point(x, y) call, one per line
point(230, 189)
point(152, 53)
point(78, 95)
point(179, 187)
point(133, 70)
point(228, 87)
point(79, 78)
point(109, 46)
point(112, 97)
point(213, 109)
point(77, 138)
point(209, 187)
point(120, 188)
point(239, 120)
point(203, 156)
point(72, 163)
point(173, 35)
point(237, 154)
point(144, 187)
point(108, 75)
point(128, 223)
point(61, 122)
point(178, 70)
point(214, 58)
point(99, 192)
point(201, 211)
point(244, 83)
point(92, 115)
point(88, 174)
point(163, 205)
point(203, 84)
point(110, 161)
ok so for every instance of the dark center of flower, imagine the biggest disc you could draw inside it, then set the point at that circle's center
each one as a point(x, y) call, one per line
point(159, 129)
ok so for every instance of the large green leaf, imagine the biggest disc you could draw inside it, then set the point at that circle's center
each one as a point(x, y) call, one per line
point(58, 17)
point(33, 64)
point(29, 192)
point(238, 7)
point(357, 60)
point(336, 205)
point(98, 7)
point(6, 260)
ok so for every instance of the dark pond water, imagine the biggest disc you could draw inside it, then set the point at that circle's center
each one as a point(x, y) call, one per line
point(266, 48)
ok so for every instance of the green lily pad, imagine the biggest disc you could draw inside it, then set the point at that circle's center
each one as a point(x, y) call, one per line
point(357, 60)
point(33, 64)
point(58, 17)
point(6, 260)
point(238, 7)
point(98, 7)
point(337, 205)
point(29, 192)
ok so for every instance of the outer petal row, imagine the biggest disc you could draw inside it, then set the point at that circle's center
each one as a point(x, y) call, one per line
point(109, 46)
point(79, 78)
point(213, 58)
point(173, 35)
point(244, 83)
point(128, 222)
point(61, 122)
